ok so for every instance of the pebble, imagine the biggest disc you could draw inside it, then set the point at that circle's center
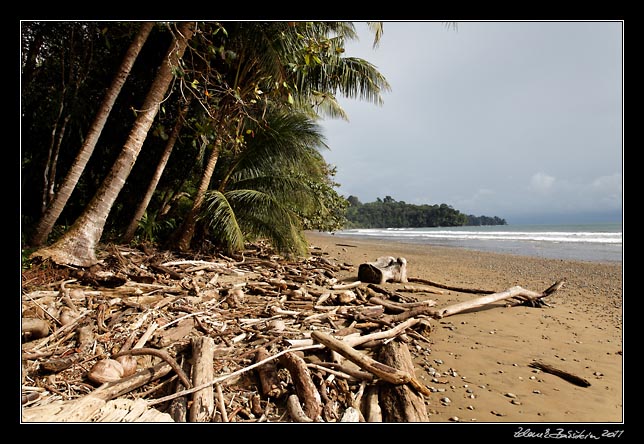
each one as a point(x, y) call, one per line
point(446, 400)
point(516, 402)
point(510, 395)
point(536, 392)
point(454, 419)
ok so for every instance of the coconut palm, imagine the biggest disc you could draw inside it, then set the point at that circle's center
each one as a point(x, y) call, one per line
point(294, 64)
point(56, 206)
point(77, 246)
point(262, 191)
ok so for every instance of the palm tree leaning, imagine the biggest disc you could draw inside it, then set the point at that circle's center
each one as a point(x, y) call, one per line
point(77, 246)
point(56, 206)
point(297, 66)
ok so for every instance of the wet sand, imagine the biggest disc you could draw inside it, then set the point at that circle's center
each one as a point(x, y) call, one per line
point(480, 360)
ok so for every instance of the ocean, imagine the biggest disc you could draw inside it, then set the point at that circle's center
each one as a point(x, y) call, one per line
point(595, 242)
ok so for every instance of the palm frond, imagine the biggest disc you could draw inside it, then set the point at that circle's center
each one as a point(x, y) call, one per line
point(220, 217)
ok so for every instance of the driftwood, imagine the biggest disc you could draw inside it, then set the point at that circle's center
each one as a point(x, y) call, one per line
point(574, 379)
point(203, 406)
point(280, 305)
point(384, 269)
point(384, 372)
point(304, 386)
point(267, 374)
point(514, 292)
point(398, 402)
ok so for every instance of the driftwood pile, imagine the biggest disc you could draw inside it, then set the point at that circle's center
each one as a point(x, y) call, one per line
point(149, 336)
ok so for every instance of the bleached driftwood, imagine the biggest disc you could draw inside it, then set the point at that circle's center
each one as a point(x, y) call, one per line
point(384, 372)
point(399, 403)
point(514, 292)
point(384, 269)
point(203, 405)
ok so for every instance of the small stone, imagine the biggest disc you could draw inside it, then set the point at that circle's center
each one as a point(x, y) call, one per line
point(470, 407)
point(510, 395)
point(446, 400)
point(454, 419)
point(516, 402)
point(536, 392)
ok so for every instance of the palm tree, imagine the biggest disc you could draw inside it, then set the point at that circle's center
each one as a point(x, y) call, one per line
point(296, 64)
point(163, 161)
point(262, 191)
point(77, 245)
point(56, 206)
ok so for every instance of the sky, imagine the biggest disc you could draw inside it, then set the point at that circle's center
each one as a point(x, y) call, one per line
point(520, 120)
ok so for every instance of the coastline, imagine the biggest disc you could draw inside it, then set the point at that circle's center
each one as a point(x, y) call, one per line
point(482, 356)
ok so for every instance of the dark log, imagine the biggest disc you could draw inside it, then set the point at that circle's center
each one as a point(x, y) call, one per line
point(399, 403)
point(573, 379)
point(267, 374)
point(304, 386)
point(384, 269)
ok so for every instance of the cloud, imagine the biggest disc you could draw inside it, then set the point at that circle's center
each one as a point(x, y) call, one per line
point(542, 182)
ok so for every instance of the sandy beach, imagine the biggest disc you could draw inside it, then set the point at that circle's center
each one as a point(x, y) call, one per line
point(478, 362)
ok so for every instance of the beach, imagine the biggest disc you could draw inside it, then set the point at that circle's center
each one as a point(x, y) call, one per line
point(478, 363)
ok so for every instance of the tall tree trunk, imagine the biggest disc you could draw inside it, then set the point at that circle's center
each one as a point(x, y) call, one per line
point(188, 227)
point(143, 205)
point(57, 204)
point(77, 246)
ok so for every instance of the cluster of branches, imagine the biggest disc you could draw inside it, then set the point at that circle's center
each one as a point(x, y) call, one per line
point(389, 213)
point(181, 133)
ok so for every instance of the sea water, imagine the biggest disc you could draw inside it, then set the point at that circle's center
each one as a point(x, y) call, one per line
point(597, 242)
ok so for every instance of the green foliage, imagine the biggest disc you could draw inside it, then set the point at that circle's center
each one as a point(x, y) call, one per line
point(388, 213)
point(150, 229)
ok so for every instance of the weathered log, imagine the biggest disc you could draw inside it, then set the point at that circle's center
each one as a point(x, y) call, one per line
point(384, 269)
point(384, 372)
point(398, 402)
point(574, 379)
point(370, 405)
point(514, 292)
point(267, 374)
point(203, 405)
point(294, 409)
point(304, 386)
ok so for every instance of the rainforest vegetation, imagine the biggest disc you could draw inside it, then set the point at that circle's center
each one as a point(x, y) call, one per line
point(185, 135)
point(389, 213)
point(190, 135)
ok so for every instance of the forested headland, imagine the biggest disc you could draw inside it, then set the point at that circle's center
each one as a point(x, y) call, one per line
point(389, 213)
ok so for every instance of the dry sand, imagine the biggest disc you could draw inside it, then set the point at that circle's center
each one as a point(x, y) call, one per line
point(483, 356)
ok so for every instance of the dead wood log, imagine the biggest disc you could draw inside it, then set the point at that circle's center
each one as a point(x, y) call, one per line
point(399, 307)
point(384, 372)
point(398, 402)
point(514, 292)
point(179, 406)
point(203, 405)
point(370, 405)
point(384, 269)
point(294, 409)
point(304, 386)
point(267, 374)
point(574, 379)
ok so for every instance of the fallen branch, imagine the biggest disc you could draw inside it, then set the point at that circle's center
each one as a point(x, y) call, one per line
point(449, 287)
point(514, 292)
point(581, 382)
point(382, 371)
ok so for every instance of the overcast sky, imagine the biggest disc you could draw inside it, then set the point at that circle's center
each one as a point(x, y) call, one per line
point(521, 120)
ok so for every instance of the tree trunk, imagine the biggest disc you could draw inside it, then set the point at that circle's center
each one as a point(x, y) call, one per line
point(57, 204)
point(138, 214)
point(188, 227)
point(77, 246)
point(399, 403)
